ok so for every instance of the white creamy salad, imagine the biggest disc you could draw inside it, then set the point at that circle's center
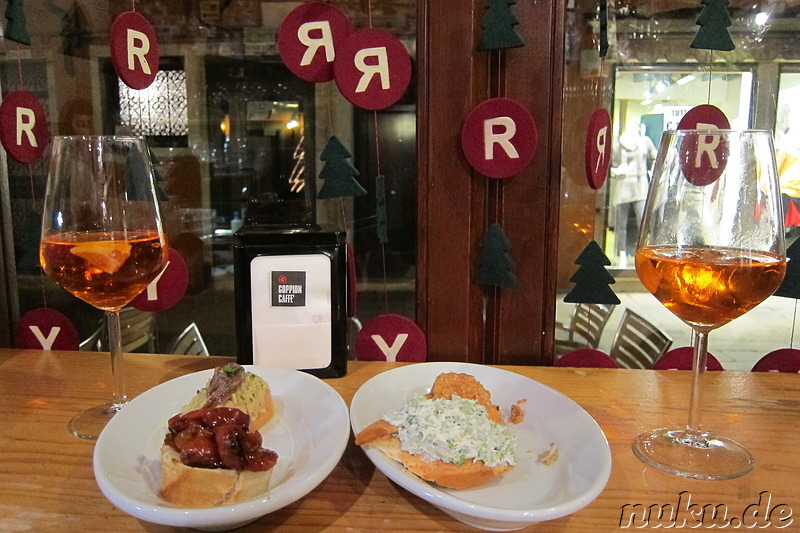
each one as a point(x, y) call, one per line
point(454, 431)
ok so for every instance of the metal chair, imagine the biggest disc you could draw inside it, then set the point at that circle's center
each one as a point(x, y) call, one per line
point(189, 342)
point(137, 328)
point(585, 327)
point(638, 343)
point(94, 342)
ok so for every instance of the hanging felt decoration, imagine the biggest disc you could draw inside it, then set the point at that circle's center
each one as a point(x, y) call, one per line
point(46, 329)
point(498, 24)
point(790, 286)
point(75, 33)
point(714, 21)
point(391, 337)
point(381, 217)
point(495, 266)
point(134, 50)
point(592, 280)
point(23, 126)
point(597, 151)
point(780, 360)
point(372, 69)
point(705, 156)
point(339, 175)
point(17, 27)
point(704, 117)
point(308, 39)
point(167, 289)
point(499, 138)
point(603, 15)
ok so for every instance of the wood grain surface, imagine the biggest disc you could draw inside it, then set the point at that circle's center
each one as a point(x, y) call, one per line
point(47, 482)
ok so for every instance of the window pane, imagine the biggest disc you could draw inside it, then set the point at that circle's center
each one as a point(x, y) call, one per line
point(236, 139)
point(648, 80)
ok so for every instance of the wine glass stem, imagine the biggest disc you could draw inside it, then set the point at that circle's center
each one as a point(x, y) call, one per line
point(117, 370)
point(700, 342)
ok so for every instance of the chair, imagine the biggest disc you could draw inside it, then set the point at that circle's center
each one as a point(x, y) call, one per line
point(682, 359)
point(586, 357)
point(782, 360)
point(189, 342)
point(638, 343)
point(137, 328)
point(585, 327)
point(94, 342)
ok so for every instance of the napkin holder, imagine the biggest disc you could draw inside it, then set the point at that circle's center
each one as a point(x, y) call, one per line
point(291, 298)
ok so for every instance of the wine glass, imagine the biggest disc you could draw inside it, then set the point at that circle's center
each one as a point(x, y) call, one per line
point(102, 238)
point(711, 247)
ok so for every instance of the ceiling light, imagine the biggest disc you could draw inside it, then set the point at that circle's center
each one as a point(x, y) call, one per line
point(686, 79)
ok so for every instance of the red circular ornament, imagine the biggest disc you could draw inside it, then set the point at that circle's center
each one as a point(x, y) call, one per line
point(597, 152)
point(704, 117)
point(703, 157)
point(46, 329)
point(308, 40)
point(372, 69)
point(134, 50)
point(167, 289)
point(23, 126)
point(391, 337)
point(499, 138)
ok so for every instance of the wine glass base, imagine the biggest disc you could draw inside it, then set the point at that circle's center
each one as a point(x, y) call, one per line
point(89, 423)
point(693, 454)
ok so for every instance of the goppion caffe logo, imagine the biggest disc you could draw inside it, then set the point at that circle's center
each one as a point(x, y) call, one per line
point(288, 289)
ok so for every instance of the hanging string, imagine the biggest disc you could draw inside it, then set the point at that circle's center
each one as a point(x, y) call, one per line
point(21, 87)
point(794, 322)
point(378, 170)
point(710, 74)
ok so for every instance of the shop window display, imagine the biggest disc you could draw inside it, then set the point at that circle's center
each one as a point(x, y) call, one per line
point(649, 78)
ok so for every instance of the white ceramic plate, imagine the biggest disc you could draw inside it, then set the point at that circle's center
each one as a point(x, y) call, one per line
point(309, 432)
point(532, 491)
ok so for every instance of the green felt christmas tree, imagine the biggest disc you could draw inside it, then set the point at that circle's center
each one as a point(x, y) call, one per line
point(381, 217)
point(498, 24)
point(495, 266)
point(17, 27)
point(339, 175)
point(592, 280)
point(714, 22)
point(74, 33)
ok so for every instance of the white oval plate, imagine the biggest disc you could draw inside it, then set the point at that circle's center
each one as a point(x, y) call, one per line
point(531, 492)
point(309, 432)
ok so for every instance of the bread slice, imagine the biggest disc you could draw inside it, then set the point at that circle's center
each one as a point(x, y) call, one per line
point(381, 435)
point(450, 475)
point(192, 487)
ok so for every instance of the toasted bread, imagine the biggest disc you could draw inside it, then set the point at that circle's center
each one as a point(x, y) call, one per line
point(191, 487)
point(382, 436)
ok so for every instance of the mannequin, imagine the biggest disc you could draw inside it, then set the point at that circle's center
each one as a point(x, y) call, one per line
point(629, 187)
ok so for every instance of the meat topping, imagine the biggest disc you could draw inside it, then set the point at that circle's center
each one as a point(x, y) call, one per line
point(218, 437)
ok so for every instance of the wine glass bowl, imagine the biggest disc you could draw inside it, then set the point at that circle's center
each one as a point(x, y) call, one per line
point(102, 239)
point(711, 247)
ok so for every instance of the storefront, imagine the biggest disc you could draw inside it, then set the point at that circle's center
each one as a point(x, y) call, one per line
point(238, 138)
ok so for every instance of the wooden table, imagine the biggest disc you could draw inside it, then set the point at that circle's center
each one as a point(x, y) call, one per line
point(47, 483)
